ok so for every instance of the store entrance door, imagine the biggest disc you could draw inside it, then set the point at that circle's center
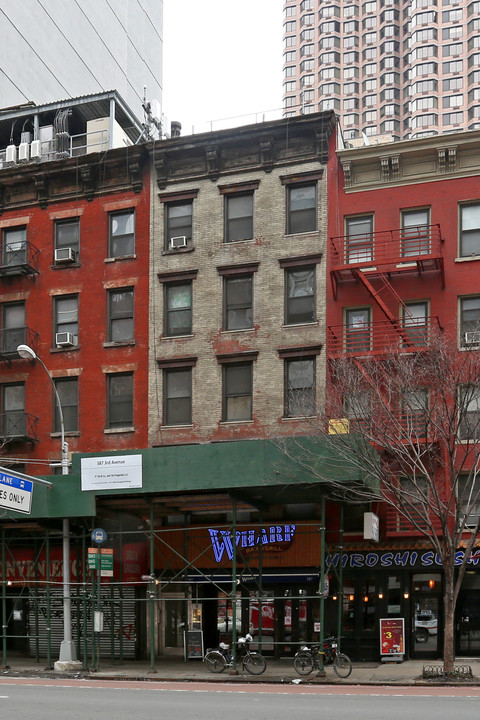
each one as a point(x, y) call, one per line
point(172, 624)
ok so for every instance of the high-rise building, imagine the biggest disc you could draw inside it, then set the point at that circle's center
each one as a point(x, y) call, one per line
point(70, 49)
point(404, 68)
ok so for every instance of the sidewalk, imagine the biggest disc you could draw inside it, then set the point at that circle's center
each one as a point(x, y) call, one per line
point(278, 671)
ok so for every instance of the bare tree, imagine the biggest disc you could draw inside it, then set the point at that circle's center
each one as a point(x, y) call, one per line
point(407, 425)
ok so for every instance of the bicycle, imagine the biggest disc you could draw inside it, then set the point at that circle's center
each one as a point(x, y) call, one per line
point(218, 659)
point(308, 658)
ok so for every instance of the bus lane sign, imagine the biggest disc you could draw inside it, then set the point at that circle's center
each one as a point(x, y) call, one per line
point(15, 493)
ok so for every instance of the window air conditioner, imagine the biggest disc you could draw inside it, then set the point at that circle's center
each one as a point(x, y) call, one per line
point(178, 242)
point(65, 339)
point(65, 255)
point(472, 337)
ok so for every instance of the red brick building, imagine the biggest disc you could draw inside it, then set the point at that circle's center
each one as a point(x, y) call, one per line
point(404, 227)
point(74, 275)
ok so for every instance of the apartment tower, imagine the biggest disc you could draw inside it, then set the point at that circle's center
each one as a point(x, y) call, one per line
point(409, 69)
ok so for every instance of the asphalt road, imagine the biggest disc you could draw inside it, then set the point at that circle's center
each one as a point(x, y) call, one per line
point(26, 699)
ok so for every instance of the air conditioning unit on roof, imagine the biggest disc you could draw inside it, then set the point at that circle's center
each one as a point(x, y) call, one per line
point(24, 152)
point(178, 242)
point(65, 255)
point(65, 339)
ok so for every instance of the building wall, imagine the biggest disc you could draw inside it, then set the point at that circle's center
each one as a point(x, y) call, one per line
point(405, 68)
point(71, 49)
point(269, 333)
point(91, 278)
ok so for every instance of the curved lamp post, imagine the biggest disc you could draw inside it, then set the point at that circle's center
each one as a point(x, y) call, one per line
point(67, 647)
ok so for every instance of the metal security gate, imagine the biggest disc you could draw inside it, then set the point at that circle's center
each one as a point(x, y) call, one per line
point(119, 635)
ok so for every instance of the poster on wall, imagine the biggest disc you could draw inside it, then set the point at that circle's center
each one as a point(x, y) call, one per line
point(392, 637)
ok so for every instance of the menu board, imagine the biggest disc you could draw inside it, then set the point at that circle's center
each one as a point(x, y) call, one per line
point(392, 636)
point(194, 644)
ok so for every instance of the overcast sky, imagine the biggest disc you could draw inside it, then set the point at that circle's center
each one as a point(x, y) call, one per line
point(222, 62)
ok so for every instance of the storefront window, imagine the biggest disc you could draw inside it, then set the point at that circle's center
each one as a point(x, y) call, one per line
point(348, 605)
point(394, 595)
point(369, 593)
point(225, 613)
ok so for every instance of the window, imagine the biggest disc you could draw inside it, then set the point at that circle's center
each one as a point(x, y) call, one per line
point(120, 400)
point(469, 412)
point(237, 391)
point(238, 302)
point(238, 217)
point(453, 101)
point(455, 118)
point(414, 408)
point(469, 230)
point(357, 407)
point(299, 387)
point(415, 232)
point(67, 236)
point(14, 246)
point(357, 330)
point(468, 498)
point(178, 224)
point(415, 324)
point(66, 320)
point(301, 208)
point(454, 66)
point(120, 315)
point(122, 234)
point(178, 308)
point(359, 240)
point(13, 327)
point(13, 410)
point(470, 321)
point(177, 396)
point(67, 389)
point(300, 295)
point(290, 86)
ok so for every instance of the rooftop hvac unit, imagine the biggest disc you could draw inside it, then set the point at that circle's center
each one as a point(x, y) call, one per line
point(11, 154)
point(180, 241)
point(473, 337)
point(65, 255)
point(65, 339)
point(24, 152)
point(35, 150)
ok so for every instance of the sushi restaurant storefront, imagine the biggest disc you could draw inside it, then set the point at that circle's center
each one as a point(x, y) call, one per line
point(400, 583)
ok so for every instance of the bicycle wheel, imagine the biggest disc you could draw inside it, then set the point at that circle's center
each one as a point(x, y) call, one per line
point(215, 661)
point(342, 665)
point(303, 663)
point(254, 663)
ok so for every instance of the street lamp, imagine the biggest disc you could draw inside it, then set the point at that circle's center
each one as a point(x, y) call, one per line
point(67, 647)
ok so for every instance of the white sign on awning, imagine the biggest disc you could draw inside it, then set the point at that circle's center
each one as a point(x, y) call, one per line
point(15, 493)
point(111, 473)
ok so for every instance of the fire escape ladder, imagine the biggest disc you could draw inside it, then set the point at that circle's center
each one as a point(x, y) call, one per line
point(387, 286)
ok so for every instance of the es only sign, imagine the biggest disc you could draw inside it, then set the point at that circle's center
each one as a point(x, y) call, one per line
point(15, 493)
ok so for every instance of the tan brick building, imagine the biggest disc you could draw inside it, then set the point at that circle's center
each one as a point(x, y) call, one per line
point(238, 281)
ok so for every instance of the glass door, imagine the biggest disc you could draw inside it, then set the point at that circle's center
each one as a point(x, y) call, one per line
point(171, 624)
point(426, 617)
